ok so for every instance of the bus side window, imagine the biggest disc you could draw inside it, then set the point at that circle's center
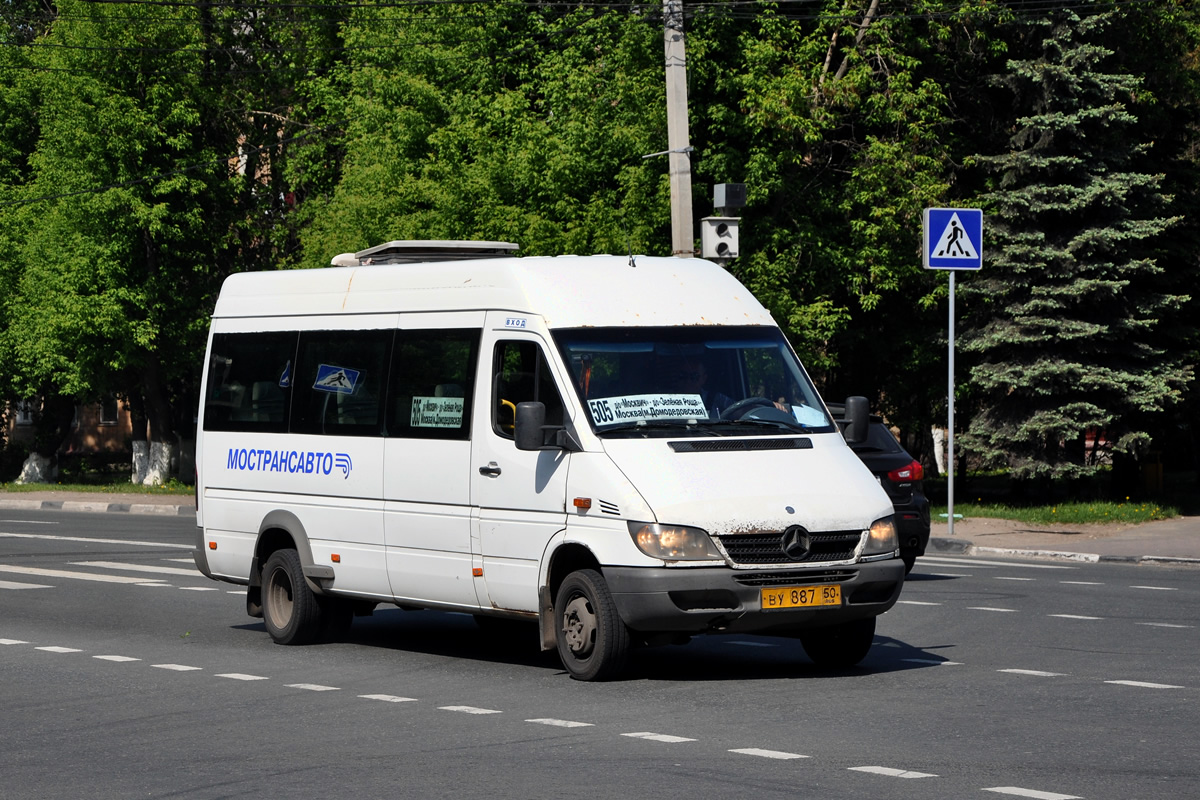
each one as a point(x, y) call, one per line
point(249, 382)
point(433, 381)
point(339, 383)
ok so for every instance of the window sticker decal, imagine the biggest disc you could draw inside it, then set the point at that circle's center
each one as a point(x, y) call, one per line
point(285, 380)
point(644, 407)
point(337, 380)
point(437, 412)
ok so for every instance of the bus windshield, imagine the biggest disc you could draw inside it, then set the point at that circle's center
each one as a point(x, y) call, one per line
point(719, 379)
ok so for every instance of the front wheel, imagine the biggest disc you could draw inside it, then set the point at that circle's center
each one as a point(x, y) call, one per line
point(593, 642)
point(839, 646)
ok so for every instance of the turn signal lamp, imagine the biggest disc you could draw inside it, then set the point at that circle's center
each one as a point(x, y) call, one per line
point(212, 545)
point(335, 558)
point(673, 542)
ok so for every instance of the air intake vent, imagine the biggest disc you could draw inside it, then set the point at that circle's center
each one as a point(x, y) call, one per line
point(609, 508)
point(736, 445)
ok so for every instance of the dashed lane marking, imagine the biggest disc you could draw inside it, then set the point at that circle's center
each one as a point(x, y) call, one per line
point(1145, 684)
point(1073, 616)
point(659, 737)
point(13, 641)
point(176, 667)
point(388, 698)
point(1035, 672)
point(776, 754)
point(241, 676)
point(917, 603)
point(314, 687)
point(561, 723)
point(121, 659)
point(199, 589)
point(990, 608)
point(892, 772)
point(1162, 625)
point(947, 574)
point(15, 585)
point(1034, 793)
point(469, 710)
point(62, 573)
point(1008, 578)
point(973, 562)
point(53, 649)
point(1157, 588)
point(933, 661)
point(1083, 583)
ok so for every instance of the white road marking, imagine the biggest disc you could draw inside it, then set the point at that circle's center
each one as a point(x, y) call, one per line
point(1005, 578)
point(120, 565)
point(15, 585)
point(917, 603)
point(469, 710)
point(1145, 685)
point(1034, 793)
point(658, 737)
point(981, 563)
point(561, 723)
point(158, 585)
point(314, 687)
point(175, 667)
point(933, 661)
point(947, 574)
point(989, 608)
point(776, 754)
point(1072, 616)
point(388, 698)
point(191, 561)
point(61, 573)
point(28, 522)
point(121, 659)
point(5, 534)
point(894, 773)
point(241, 676)
point(1163, 625)
point(199, 589)
point(1157, 588)
point(1036, 672)
point(13, 641)
point(1083, 583)
point(54, 649)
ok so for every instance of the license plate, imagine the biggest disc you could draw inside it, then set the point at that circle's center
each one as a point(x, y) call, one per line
point(801, 597)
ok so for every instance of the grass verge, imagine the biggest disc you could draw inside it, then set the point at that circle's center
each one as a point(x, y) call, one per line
point(172, 488)
point(1070, 513)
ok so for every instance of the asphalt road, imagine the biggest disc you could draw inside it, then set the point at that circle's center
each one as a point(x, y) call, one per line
point(125, 673)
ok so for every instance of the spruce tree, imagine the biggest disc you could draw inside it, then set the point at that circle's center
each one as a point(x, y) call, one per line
point(1065, 324)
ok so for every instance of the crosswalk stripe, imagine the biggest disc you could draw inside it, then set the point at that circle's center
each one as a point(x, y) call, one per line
point(62, 573)
point(118, 565)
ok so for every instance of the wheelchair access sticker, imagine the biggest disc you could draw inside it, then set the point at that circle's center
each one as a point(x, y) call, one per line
point(338, 380)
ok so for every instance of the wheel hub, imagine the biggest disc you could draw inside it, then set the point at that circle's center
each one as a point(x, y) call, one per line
point(579, 627)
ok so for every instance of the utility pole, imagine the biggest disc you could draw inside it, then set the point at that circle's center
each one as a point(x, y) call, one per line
point(683, 243)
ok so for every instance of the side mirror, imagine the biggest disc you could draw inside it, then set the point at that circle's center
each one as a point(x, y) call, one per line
point(857, 419)
point(531, 416)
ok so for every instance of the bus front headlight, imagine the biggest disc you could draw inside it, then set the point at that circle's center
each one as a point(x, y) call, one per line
point(673, 542)
point(881, 537)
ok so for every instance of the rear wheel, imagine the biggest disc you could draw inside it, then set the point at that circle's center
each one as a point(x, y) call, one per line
point(593, 642)
point(291, 611)
point(840, 646)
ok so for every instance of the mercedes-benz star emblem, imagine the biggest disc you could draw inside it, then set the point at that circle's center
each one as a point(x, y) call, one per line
point(796, 543)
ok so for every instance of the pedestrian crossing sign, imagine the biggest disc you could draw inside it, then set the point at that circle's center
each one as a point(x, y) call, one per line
point(953, 238)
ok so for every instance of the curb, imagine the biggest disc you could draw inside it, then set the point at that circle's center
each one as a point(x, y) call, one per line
point(98, 506)
point(960, 547)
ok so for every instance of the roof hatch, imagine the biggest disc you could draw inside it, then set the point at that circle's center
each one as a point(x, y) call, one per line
point(419, 250)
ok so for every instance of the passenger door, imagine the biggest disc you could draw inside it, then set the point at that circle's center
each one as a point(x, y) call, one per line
point(520, 495)
point(428, 460)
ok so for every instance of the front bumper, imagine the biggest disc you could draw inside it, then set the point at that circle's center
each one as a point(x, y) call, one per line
point(723, 600)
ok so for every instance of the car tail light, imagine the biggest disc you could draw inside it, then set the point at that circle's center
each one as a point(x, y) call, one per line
point(911, 472)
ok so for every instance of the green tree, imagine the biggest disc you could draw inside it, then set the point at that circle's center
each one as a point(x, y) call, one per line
point(1066, 323)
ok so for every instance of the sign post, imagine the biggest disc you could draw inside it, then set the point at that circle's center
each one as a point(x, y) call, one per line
point(952, 240)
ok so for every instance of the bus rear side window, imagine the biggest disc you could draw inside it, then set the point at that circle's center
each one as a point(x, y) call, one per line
point(249, 382)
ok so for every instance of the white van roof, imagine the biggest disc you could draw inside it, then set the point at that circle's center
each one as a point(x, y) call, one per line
point(568, 291)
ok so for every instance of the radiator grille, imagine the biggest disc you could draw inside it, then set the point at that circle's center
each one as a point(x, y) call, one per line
point(767, 548)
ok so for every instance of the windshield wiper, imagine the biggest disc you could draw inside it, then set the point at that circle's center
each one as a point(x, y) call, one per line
point(652, 425)
point(754, 421)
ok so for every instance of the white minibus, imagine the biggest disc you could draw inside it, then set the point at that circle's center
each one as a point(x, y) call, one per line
point(625, 450)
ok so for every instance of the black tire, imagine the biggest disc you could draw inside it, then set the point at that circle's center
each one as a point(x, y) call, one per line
point(291, 611)
point(593, 642)
point(839, 646)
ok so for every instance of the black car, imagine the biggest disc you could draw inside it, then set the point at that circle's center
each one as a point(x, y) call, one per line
point(901, 476)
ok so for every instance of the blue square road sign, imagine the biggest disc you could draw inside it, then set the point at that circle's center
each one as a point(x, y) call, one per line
point(953, 238)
